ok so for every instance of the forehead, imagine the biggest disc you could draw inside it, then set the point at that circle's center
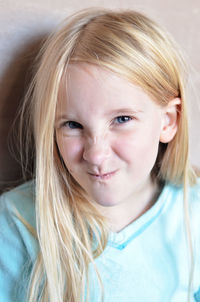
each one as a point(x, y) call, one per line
point(93, 85)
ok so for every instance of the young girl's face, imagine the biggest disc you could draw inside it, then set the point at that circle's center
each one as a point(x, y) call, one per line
point(108, 131)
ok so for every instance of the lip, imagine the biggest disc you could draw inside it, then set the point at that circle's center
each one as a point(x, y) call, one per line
point(104, 176)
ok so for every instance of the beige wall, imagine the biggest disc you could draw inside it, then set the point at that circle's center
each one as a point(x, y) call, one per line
point(24, 23)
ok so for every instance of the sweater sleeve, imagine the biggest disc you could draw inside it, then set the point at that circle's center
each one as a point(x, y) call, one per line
point(195, 232)
point(18, 247)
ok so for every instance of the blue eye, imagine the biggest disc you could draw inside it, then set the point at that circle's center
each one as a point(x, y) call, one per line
point(73, 125)
point(123, 119)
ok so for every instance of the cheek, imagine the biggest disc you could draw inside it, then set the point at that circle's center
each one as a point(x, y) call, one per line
point(70, 149)
point(139, 147)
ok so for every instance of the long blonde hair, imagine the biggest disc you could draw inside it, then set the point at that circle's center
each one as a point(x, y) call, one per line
point(131, 45)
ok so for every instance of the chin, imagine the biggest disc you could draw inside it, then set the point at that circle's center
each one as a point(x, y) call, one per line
point(106, 202)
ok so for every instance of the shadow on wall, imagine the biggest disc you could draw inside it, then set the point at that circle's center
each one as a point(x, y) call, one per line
point(14, 83)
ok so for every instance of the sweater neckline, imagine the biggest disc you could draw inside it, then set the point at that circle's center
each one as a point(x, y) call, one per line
point(121, 239)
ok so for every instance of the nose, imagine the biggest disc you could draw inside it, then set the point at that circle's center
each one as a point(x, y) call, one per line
point(96, 151)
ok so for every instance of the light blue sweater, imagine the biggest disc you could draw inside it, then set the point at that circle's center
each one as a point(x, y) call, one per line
point(145, 262)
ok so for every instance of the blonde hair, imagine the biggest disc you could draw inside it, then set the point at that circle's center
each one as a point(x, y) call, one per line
point(131, 45)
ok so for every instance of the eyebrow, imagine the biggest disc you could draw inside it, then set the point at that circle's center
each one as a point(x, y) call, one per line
point(123, 111)
point(63, 117)
point(111, 112)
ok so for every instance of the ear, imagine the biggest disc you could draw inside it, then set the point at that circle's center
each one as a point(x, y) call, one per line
point(170, 120)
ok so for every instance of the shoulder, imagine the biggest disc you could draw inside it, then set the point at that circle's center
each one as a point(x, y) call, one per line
point(18, 242)
point(194, 208)
point(194, 193)
point(184, 212)
point(23, 193)
point(20, 200)
point(177, 192)
point(17, 215)
point(179, 205)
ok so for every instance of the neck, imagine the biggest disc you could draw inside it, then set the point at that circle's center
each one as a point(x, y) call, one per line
point(119, 216)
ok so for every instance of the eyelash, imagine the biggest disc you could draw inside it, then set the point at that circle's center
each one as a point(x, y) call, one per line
point(122, 119)
point(74, 125)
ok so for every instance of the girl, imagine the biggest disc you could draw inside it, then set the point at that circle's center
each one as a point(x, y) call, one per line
point(112, 212)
